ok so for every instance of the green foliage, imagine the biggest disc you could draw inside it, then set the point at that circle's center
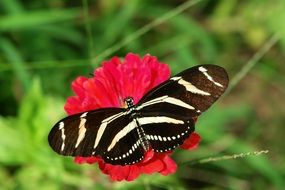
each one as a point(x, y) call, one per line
point(45, 44)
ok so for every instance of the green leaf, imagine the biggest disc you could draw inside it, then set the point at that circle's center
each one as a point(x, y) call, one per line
point(36, 18)
point(14, 57)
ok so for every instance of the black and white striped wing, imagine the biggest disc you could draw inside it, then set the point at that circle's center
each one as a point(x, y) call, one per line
point(165, 132)
point(187, 94)
point(125, 148)
point(109, 133)
point(167, 113)
point(81, 134)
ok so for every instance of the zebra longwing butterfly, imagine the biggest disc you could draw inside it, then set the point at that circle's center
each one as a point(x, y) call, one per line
point(161, 120)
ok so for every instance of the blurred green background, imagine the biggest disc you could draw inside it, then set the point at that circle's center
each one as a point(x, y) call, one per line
point(45, 44)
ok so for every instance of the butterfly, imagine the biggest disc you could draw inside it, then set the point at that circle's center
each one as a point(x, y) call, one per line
point(161, 120)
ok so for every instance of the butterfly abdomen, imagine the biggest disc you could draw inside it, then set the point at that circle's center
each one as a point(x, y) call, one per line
point(143, 138)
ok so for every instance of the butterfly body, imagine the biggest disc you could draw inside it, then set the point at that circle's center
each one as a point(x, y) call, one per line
point(162, 120)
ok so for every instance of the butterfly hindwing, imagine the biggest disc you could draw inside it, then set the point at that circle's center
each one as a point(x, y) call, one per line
point(126, 149)
point(165, 132)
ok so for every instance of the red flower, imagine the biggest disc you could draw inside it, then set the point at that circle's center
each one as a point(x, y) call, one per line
point(111, 84)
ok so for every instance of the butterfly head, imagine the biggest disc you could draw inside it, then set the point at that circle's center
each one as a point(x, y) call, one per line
point(129, 101)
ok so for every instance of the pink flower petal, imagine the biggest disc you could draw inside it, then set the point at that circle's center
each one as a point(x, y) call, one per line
point(192, 142)
point(170, 166)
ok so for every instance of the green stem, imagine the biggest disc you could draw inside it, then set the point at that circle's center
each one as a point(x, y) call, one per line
point(252, 62)
point(144, 30)
point(226, 157)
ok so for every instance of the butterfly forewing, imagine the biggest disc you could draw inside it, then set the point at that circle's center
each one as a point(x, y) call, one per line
point(188, 93)
point(76, 135)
